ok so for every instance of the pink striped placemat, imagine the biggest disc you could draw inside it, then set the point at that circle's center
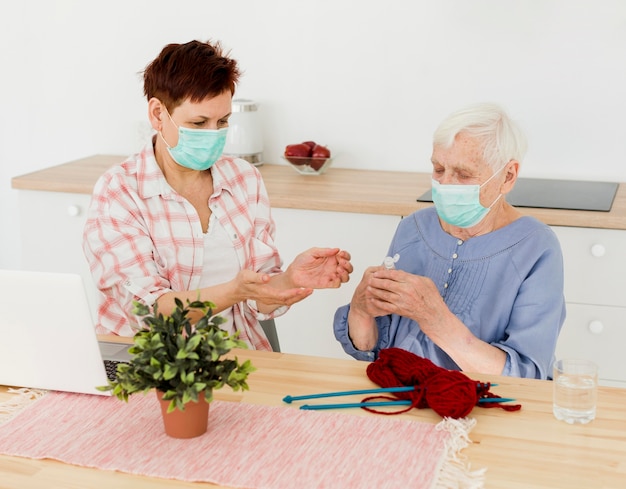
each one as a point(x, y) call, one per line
point(247, 445)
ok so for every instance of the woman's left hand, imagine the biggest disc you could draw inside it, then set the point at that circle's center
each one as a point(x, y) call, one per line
point(320, 268)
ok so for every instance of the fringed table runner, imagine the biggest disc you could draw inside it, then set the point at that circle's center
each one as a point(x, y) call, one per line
point(246, 445)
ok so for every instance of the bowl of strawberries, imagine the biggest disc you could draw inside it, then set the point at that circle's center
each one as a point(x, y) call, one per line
point(308, 157)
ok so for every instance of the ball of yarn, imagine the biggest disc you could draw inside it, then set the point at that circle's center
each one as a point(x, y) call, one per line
point(451, 394)
point(396, 367)
point(409, 368)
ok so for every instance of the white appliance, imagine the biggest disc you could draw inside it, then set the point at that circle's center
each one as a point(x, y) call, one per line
point(244, 138)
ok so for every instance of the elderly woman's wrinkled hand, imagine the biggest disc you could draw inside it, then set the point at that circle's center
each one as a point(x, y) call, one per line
point(405, 294)
point(363, 302)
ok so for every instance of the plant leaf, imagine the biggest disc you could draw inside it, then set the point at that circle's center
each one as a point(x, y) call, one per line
point(183, 359)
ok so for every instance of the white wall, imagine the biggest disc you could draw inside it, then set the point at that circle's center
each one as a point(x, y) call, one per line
point(369, 78)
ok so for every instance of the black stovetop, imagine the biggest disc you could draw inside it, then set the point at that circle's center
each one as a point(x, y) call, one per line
point(557, 194)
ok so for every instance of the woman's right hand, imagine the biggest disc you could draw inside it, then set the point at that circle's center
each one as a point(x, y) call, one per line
point(258, 287)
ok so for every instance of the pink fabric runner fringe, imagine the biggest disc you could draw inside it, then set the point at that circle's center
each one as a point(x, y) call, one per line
point(248, 446)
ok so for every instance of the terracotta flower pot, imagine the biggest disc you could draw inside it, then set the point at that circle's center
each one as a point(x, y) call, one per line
point(189, 423)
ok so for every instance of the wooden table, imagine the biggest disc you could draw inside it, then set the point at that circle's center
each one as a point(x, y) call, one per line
point(524, 449)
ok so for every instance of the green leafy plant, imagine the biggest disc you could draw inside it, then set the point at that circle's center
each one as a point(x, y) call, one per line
point(180, 359)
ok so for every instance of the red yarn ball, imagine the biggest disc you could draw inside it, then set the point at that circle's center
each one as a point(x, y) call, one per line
point(396, 368)
point(451, 394)
point(447, 392)
point(409, 368)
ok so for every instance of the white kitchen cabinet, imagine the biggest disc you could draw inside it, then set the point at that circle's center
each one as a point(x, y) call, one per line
point(51, 228)
point(595, 293)
point(597, 333)
point(307, 328)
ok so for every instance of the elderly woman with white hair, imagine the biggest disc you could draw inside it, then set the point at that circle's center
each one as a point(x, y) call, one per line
point(477, 286)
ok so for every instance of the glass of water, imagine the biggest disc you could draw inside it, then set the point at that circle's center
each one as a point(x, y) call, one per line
point(575, 390)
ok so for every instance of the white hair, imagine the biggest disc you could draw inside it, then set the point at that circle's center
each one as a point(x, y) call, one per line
point(502, 138)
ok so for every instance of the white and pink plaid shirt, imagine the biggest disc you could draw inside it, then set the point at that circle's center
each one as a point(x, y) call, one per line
point(142, 239)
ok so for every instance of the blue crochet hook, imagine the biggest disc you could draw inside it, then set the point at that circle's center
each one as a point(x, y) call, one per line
point(290, 399)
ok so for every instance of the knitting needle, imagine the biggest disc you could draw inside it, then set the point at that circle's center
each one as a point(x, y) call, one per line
point(495, 399)
point(312, 407)
point(290, 399)
point(399, 402)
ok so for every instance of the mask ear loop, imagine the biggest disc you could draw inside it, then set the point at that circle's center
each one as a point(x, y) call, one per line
point(161, 134)
point(494, 174)
point(494, 202)
point(487, 181)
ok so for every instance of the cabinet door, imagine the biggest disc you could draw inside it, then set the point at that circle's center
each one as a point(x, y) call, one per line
point(307, 328)
point(595, 265)
point(599, 334)
point(51, 228)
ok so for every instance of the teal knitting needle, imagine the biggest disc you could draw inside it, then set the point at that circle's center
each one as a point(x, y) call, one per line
point(399, 402)
point(495, 399)
point(316, 407)
point(290, 399)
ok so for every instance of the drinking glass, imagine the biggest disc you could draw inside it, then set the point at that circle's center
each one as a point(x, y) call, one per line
point(575, 390)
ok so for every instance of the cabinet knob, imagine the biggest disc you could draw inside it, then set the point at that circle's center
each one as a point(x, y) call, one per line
point(598, 250)
point(596, 326)
point(73, 210)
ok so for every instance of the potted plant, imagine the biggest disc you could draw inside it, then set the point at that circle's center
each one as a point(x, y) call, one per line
point(183, 362)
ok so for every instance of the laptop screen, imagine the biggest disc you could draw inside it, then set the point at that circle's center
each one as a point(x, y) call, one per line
point(48, 337)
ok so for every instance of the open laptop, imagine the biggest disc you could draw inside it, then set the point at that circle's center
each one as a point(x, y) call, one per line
point(47, 336)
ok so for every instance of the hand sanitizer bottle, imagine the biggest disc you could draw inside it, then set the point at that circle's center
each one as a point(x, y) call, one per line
point(390, 261)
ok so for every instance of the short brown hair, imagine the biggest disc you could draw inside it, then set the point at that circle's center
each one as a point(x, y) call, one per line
point(195, 70)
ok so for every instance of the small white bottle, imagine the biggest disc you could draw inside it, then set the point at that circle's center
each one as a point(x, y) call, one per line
point(390, 261)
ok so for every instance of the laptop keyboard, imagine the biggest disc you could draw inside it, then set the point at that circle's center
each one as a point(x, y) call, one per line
point(111, 368)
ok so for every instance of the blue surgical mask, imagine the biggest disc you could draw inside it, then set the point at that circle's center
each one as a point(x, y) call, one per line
point(197, 149)
point(459, 205)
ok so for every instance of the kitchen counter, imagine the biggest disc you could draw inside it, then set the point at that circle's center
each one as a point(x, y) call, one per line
point(340, 190)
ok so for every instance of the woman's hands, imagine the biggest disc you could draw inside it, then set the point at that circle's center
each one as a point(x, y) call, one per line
point(382, 292)
point(316, 268)
point(402, 293)
point(266, 290)
point(320, 268)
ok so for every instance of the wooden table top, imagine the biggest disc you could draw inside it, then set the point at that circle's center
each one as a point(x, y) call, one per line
point(339, 189)
point(524, 449)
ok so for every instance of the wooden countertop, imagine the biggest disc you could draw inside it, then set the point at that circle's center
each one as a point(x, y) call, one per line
point(523, 449)
point(340, 190)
